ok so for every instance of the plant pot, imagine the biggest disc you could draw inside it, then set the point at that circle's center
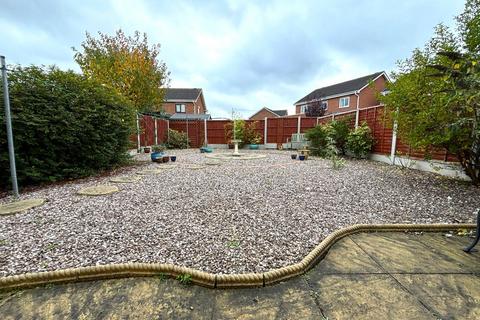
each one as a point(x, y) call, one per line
point(253, 146)
point(165, 159)
point(230, 146)
point(294, 156)
point(146, 149)
point(301, 157)
point(155, 156)
point(202, 150)
point(173, 158)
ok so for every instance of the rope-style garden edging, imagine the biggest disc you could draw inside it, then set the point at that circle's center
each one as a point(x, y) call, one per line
point(209, 279)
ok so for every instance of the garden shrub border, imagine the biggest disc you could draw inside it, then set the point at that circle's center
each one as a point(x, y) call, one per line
point(211, 280)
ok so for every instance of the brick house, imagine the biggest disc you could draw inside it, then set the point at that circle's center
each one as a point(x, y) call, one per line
point(184, 101)
point(346, 96)
point(268, 113)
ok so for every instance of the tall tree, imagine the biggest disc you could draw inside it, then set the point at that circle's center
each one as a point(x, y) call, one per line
point(435, 97)
point(128, 65)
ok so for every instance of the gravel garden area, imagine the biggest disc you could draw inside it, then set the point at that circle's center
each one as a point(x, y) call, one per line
point(231, 216)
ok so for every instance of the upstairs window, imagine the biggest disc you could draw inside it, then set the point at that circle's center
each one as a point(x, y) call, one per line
point(180, 108)
point(344, 102)
point(303, 108)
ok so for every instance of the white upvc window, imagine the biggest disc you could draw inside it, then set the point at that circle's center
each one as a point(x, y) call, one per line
point(180, 108)
point(325, 104)
point(303, 108)
point(344, 102)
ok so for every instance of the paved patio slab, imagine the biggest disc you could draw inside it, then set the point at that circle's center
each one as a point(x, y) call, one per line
point(364, 276)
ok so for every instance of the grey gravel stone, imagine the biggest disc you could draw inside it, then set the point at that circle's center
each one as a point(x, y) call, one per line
point(240, 216)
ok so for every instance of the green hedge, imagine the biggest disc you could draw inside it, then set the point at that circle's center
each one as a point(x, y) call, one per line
point(64, 125)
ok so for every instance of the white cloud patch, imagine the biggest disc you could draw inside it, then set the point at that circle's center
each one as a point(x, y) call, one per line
point(244, 54)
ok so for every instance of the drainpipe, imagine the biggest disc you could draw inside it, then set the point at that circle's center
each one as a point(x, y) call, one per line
point(357, 114)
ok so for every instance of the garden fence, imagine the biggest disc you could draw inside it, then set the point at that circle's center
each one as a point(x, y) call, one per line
point(279, 130)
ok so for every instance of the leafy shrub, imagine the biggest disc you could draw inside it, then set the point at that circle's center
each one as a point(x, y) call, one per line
point(158, 148)
point(338, 131)
point(250, 135)
point(318, 140)
point(65, 126)
point(360, 141)
point(332, 153)
point(177, 140)
point(239, 126)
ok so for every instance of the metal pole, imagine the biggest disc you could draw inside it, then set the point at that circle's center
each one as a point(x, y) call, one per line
point(8, 120)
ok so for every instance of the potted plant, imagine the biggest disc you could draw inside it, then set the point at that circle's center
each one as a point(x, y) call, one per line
point(301, 157)
point(205, 149)
point(254, 142)
point(157, 153)
point(146, 149)
point(294, 156)
point(305, 152)
point(173, 158)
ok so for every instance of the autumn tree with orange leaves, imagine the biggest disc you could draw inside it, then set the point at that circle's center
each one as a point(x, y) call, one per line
point(128, 65)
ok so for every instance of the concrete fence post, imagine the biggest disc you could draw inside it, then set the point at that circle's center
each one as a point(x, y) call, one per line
point(138, 134)
point(393, 150)
point(168, 130)
point(265, 137)
point(205, 129)
point(299, 124)
point(333, 116)
point(155, 133)
point(317, 120)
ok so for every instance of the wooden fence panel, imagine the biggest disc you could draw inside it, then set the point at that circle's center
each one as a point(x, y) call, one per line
point(279, 130)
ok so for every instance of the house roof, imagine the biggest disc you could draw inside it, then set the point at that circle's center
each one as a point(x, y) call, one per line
point(182, 94)
point(278, 113)
point(190, 116)
point(339, 88)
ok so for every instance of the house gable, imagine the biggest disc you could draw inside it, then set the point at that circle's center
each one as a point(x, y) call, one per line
point(268, 113)
point(348, 89)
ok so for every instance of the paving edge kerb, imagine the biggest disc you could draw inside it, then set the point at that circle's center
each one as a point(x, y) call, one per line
point(209, 279)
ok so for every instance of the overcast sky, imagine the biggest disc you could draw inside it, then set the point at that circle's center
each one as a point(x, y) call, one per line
point(244, 54)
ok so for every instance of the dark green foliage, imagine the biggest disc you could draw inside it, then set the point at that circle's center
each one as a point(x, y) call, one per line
point(64, 126)
point(318, 140)
point(435, 97)
point(177, 140)
point(338, 131)
point(359, 141)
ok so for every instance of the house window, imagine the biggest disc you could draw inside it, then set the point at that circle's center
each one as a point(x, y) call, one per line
point(303, 108)
point(180, 108)
point(325, 104)
point(344, 102)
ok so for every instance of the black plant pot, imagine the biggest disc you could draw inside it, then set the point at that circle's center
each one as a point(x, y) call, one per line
point(294, 156)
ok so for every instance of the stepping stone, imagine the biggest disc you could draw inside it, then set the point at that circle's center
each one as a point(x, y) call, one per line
point(195, 167)
point(125, 179)
point(213, 163)
point(155, 171)
point(98, 190)
point(18, 206)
